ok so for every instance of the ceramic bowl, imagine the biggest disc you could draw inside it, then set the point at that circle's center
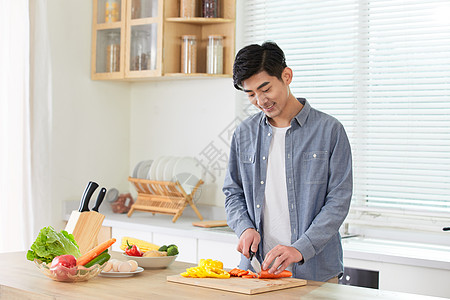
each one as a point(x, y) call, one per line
point(153, 262)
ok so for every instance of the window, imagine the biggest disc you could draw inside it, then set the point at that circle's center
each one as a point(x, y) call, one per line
point(382, 68)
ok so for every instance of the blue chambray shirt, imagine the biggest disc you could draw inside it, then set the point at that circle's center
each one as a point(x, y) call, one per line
point(318, 180)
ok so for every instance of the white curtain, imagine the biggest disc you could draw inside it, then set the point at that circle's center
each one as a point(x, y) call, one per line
point(25, 123)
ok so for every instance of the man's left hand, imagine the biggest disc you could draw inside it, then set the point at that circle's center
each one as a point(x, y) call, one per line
point(282, 257)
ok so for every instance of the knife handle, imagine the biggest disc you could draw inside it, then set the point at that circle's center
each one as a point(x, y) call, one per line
point(100, 197)
point(90, 188)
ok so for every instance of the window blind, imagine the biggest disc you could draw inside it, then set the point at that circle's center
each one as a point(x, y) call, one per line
point(383, 69)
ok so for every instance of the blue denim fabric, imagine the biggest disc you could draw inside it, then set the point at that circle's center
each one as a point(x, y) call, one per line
point(319, 185)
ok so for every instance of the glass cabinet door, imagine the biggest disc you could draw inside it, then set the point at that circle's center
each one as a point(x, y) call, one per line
point(144, 38)
point(108, 39)
point(109, 11)
point(144, 9)
point(108, 51)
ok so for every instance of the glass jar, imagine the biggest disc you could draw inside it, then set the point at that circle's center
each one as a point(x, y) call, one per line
point(140, 51)
point(187, 8)
point(214, 55)
point(113, 52)
point(210, 8)
point(112, 11)
point(189, 54)
point(136, 9)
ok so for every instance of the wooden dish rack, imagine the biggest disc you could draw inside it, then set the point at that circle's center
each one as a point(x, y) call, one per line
point(163, 197)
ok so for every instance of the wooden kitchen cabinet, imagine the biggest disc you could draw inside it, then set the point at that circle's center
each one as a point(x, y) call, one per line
point(141, 39)
point(127, 43)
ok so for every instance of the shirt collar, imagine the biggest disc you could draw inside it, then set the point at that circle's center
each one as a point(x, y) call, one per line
point(300, 117)
point(304, 112)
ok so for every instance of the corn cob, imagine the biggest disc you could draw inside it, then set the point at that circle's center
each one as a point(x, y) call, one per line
point(142, 245)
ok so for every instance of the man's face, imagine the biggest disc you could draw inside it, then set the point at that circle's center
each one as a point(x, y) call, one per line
point(267, 93)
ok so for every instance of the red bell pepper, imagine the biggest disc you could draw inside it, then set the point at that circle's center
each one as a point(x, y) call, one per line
point(133, 250)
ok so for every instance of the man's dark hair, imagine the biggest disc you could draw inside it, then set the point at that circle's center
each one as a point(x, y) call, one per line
point(255, 58)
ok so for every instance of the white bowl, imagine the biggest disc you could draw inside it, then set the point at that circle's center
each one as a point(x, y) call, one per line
point(152, 262)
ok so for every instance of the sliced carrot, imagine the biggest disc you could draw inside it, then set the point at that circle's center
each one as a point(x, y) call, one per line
point(242, 273)
point(236, 272)
point(253, 274)
point(266, 275)
point(247, 276)
point(94, 252)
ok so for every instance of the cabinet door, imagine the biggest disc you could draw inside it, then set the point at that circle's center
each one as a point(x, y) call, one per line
point(186, 246)
point(143, 38)
point(225, 252)
point(108, 39)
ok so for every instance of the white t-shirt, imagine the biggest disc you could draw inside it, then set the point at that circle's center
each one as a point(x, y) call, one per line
point(275, 218)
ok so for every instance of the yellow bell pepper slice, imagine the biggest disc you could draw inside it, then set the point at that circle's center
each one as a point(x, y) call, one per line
point(207, 268)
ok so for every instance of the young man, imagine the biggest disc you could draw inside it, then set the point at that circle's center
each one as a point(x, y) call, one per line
point(289, 180)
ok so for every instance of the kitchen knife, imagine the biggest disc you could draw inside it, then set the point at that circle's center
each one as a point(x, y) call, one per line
point(254, 262)
point(90, 188)
point(100, 197)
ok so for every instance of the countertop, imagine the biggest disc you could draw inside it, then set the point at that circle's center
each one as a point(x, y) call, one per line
point(21, 279)
point(378, 250)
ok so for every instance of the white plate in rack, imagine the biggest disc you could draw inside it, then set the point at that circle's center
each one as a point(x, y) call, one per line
point(168, 169)
point(187, 171)
point(136, 168)
point(143, 169)
point(160, 168)
point(151, 175)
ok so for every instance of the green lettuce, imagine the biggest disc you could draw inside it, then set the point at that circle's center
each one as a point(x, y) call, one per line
point(50, 244)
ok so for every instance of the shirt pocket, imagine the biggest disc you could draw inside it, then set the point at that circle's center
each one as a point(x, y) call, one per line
point(247, 158)
point(315, 167)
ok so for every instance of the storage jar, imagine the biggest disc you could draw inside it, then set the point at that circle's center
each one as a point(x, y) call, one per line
point(113, 52)
point(214, 51)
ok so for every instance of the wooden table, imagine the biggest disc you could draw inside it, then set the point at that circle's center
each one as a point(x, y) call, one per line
point(20, 279)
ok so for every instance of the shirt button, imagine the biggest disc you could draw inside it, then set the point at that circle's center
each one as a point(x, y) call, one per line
point(289, 156)
point(269, 134)
point(258, 206)
point(264, 158)
point(262, 182)
point(314, 155)
point(290, 180)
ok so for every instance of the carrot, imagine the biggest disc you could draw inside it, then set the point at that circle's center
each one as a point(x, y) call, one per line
point(236, 272)
point(94, 252)
point(266, 275)
point(247, 276)
point(253, 274)
point(242, 273)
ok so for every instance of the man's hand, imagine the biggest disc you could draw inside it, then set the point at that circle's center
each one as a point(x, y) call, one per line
point(249, 239)
point(282, 257)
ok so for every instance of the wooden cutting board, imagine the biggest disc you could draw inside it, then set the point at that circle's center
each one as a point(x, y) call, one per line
point(208, 224)
point(247, 286)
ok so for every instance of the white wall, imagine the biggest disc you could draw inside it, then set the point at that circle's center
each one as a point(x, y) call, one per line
point(90, 139)
point(102, 129)
point(181, 118)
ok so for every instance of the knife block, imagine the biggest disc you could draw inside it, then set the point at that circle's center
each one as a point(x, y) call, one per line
point(85, 227)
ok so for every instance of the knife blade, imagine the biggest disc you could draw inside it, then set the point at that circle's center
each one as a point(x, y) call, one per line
point(254, 262)
point(90, 188)
point(100, 197)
